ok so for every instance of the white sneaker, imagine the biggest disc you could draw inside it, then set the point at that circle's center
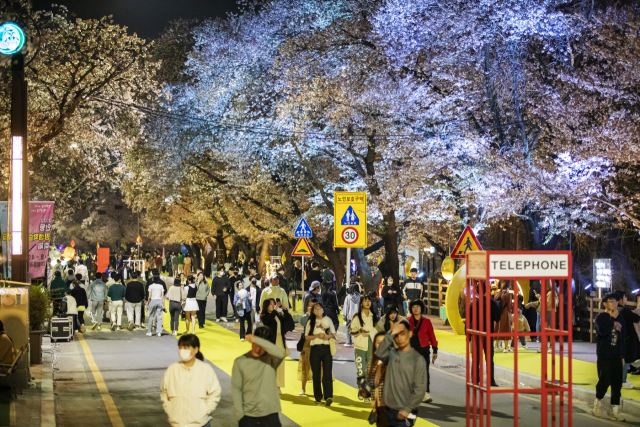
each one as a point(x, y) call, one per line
point(241, 339)
point(302, 393)
point(142, 325)
point(160, 334)
point(427, 398)
point(99, 327)
point(149, 334)
point(597, 408)
point(224, 319)
point(218, 320)
point(118, 328)
point(616, 414)
point(347, 345)
point(505, 351)
point(525, 347)
point(627, 385)
point(174, 333)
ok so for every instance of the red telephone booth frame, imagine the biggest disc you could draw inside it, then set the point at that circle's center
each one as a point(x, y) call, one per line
point(480, 338)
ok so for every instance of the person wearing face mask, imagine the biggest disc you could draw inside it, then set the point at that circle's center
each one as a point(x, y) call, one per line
point(242, 303)
point(190, 389)
point(254, 381)
point(201, 297)
point(276, 317)
point(389, 294)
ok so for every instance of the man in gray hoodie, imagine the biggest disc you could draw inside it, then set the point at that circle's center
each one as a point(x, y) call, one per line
point(97, 293)
point(351, 305)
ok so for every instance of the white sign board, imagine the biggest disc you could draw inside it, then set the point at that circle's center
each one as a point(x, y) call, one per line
point(602, 273)
point(528, 265)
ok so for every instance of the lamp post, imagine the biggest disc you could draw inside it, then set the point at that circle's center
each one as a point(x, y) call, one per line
point(11, 42)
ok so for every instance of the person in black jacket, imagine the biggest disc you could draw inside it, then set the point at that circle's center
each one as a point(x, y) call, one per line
point(277, 318)
point(80, 296)
point(330, 303)
point(610, 340)
point(390, 292)
point(631, 338)
point(219, 287)
point(474, 310)
point(134, 295)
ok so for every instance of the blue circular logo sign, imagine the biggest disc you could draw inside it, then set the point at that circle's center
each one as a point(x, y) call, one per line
point(11, 38)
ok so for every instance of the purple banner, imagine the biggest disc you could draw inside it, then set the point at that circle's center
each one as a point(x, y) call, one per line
point(40, 221)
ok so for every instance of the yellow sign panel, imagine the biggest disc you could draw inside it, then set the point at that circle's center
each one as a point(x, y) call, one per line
point(467, 243)
point(349, 219)
point(302, 248)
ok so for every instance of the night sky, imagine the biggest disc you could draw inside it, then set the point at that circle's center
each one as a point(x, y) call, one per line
point(147, 18)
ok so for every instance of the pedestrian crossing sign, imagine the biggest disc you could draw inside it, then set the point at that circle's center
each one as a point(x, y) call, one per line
point(467, 243)
point(350, 217)
point(303, 230)
point(302, 248)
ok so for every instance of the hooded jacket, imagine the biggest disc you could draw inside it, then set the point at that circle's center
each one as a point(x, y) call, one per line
point(351, 303)
point(361, 340)
point(58, 287)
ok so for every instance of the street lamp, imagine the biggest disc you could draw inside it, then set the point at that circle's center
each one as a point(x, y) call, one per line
point(12, 40)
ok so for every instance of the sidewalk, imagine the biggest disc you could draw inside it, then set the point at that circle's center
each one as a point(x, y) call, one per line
point(35, 407)
point(451, 351)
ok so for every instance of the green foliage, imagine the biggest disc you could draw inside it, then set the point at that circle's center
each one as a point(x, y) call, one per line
point(39, 306)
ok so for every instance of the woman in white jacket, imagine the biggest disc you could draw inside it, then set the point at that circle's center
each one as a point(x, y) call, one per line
point(363, 330)
point(190, 390)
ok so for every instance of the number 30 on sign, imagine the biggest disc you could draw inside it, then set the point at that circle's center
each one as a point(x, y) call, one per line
point(350, 219)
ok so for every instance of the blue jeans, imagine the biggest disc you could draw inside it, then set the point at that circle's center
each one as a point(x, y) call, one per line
point(394, 421)
point(349, 338)
point(538, 323)
point(625, 370)
point(155, 309)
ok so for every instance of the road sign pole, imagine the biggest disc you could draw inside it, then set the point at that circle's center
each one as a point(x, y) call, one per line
point(348, 266)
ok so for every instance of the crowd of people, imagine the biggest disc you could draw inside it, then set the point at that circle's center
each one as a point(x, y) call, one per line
point(392, 353)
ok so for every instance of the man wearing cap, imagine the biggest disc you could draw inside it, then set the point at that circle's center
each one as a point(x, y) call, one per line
point(413, 287)
point(610, 341)
point(423, 337)
point(313, 293)
point(275, 291)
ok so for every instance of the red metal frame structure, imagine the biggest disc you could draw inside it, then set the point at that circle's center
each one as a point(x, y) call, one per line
point(551, 268)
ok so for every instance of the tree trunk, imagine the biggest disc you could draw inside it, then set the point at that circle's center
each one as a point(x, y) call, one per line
point(391, 252)
point(264, 256)
point(363, 270)
point(208, 257)
point(222, 246)
point(197, 251)
point(535, 235)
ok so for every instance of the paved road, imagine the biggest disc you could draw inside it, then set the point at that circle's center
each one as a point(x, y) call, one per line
point(129, 366)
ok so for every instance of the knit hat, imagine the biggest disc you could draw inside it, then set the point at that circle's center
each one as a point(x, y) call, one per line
point(417, 302)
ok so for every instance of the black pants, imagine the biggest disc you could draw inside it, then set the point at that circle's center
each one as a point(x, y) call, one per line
point(221, 306)
point(609, 374)
point(426, 353)
point(477, 358)
point(246, 318)
point(334, 318)
point(202, 306)
point(233, 307)
point(271, 420)
point(80, 318)
point(174, 314)
point(322, 369)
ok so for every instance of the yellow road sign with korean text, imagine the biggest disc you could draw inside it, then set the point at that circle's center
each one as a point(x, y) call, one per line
point(349, 219)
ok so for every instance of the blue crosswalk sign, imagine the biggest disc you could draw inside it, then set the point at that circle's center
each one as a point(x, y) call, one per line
point(303, 230)
point(350, 217)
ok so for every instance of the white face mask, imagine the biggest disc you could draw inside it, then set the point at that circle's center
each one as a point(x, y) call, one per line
point(185, 355)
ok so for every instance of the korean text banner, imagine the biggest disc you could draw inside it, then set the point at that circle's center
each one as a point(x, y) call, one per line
point(40, 221)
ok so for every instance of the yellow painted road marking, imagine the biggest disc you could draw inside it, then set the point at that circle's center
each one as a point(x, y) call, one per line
point(110, 406)
point(221, 347)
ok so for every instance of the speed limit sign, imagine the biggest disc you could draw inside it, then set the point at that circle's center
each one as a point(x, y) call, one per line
point(350, 235)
